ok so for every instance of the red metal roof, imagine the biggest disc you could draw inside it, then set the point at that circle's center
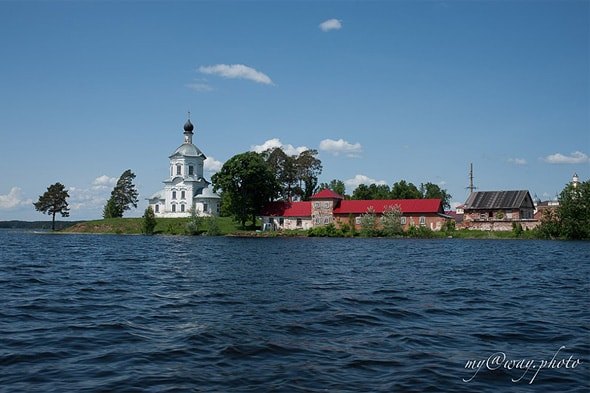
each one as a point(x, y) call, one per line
point(303, 209)
point(287, 209)
point(407, 206)
point(326, 193)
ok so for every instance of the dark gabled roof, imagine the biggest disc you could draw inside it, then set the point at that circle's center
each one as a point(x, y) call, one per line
point(498, 200)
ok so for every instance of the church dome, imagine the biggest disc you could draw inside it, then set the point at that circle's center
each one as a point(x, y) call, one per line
point(188, 149)
point(188, 126)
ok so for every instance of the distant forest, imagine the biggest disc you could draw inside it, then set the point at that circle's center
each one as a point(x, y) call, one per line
point(35, 224)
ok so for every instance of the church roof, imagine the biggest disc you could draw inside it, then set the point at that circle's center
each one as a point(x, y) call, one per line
point(188, 149)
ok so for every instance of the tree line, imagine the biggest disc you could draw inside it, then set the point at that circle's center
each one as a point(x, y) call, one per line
point(248, 181)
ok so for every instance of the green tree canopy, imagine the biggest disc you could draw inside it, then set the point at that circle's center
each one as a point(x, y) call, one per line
point(123, 195)
point(404, 190)
point(574, 211)
point(53, 202)
point(335, 185)
point(247, 183)
point(432, 191)
point(295, 175)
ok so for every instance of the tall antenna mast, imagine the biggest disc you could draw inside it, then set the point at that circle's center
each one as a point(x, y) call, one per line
point(471, 186)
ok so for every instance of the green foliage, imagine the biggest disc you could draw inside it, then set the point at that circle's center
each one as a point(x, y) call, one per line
point(295, 175)
point(194, 222)
point(550, 227)
point(391, 221)
point(54, 201)
point(328, 230)
point(448, 226)
point(369, 224)
point(335, 185)
point(213, 228)
point(404, 190)
point(149, 221)
point(123, 195)
point(574, 211)
point(517, 228)
point(247, 182)
point(433, 191)
point(420, 232)
point(571, 219)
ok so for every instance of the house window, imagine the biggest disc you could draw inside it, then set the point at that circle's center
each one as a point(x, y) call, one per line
point(422, 220)
point(326, 205)
point(299, 223)
point(316, 205)
point(281, 221)
point(403, 220)
point(178, 169)
point(316, 220)
point(182, 195)
point(190, 170)
point(173, 194)
point(173, 208)
point(357, 220)
point(326, 220)
point(157, 208)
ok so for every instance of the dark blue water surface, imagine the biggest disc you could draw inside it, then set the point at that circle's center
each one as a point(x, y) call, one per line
point(93, 313)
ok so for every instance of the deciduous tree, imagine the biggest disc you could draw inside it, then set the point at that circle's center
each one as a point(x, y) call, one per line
point(247, 183)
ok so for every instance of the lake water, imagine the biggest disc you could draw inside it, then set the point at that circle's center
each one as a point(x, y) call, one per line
point(94, 313)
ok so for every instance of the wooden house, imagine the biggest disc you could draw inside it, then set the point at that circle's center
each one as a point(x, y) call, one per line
point(498, 210)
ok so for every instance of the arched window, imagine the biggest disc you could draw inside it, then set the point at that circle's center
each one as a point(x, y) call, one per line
point(182, 195)
point(178, 169)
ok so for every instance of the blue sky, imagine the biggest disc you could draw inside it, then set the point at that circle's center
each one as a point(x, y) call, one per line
point(384, 90)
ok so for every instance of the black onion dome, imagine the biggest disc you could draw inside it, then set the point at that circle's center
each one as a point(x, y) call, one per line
point(188, 126)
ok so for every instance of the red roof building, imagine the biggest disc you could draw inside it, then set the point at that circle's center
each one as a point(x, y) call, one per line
point(328, 207)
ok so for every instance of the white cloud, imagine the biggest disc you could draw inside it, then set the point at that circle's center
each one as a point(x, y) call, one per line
point(13, 199)
point(212, 165)
point(341, 146)
point(362, 179)
point(237, 71)
point(199, 86)
point(331, 24)
point(517, 161)
point(104, 181)
point(576, 157)
point(276, 142)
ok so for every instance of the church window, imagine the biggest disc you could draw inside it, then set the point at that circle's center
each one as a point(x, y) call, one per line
point(178, 169)
point(157, 208)
point(316, 205)
point(422, 220)
point(403, 220)
point(173, 208)
point(204, 207)
point(281, 221)
point(326, 205)
point(299, 222)
point(191, 170)
point(182, 208)
point(182, 195)
point(173, 194)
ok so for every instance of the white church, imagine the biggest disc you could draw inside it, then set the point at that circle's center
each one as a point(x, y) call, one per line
point(186, 187)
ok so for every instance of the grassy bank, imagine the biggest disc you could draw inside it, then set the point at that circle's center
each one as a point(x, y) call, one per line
point(226, 226)
point(164, 226)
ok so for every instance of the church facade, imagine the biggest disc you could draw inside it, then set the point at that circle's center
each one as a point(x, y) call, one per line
point(186, 187)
